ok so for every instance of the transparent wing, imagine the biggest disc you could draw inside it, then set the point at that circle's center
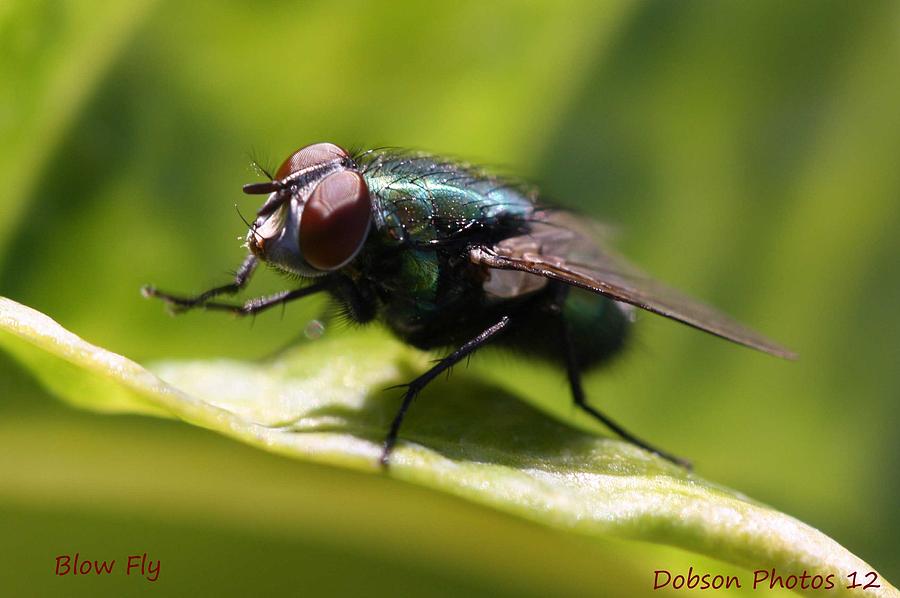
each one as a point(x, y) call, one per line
point(558, 249)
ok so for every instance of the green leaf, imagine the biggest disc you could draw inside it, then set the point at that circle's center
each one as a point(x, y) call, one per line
point(323, 401)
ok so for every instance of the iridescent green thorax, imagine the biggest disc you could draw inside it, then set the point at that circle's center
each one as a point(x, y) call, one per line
point(424, 200)
point(426, 213)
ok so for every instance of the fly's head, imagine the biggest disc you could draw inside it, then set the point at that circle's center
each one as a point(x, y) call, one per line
point(317, 214)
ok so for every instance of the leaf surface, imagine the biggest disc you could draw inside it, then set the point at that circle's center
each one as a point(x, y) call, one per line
point(324, 401)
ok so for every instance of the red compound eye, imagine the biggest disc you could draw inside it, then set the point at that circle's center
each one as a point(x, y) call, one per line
point(335, 220)
point(311, 155)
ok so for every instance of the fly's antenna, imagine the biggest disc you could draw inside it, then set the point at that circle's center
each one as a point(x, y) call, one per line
point(257, 159)
point(274, 202)
point(261, 169)
point(262, 188)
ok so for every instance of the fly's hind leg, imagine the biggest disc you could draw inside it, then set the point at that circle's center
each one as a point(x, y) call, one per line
point(574, 374)
point(416, 386)
point(181, 304)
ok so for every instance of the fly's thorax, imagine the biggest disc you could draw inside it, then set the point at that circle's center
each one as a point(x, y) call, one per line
point(424, 200)
point(317, 215)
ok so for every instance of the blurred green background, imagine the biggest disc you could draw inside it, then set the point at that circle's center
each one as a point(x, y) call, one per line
point(747, 152)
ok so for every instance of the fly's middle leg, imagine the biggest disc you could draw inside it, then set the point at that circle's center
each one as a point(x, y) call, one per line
point(416, 386)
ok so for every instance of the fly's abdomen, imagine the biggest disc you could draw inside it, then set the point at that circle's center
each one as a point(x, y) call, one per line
point(599, 327)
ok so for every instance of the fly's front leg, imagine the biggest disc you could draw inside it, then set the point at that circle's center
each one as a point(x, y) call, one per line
point(260, 304)
point(574, 375)
point(181, 304)
point(416, 386)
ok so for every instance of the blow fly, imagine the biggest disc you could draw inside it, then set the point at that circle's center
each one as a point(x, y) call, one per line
point(446, 255)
